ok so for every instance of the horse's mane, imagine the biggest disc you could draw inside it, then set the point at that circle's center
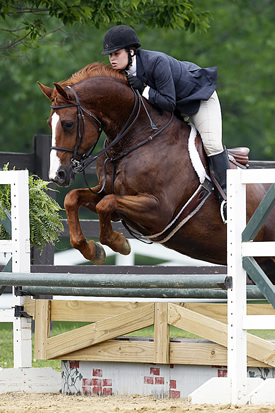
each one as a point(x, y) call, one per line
point(92, 70)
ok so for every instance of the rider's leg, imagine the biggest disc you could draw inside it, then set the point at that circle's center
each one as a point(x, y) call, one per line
point(218, 164)
point(208, 121)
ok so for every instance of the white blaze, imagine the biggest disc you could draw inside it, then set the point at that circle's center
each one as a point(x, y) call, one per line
point(54, 160)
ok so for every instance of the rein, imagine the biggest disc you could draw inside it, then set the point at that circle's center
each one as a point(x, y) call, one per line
point(81, 121)
point(88, 158)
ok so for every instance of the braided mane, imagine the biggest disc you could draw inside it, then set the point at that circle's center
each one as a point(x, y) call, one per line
point(92, 70)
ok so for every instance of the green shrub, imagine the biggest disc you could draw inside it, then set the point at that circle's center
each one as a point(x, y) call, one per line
point(45, 223)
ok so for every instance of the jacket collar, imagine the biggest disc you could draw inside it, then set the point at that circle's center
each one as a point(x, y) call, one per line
point(140, 69)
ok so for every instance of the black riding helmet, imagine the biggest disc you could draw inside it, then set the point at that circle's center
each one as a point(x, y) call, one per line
point(120, 37)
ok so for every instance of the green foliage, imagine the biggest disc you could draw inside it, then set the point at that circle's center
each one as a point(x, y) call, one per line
point(24, 23)
point(45, 224)
point(240, 41)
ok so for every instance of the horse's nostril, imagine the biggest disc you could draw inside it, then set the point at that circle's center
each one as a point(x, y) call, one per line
point(64, 177)
point(61, 176)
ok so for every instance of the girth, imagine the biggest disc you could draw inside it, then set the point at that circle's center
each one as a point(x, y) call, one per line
point(190, 208)
point(238, 157)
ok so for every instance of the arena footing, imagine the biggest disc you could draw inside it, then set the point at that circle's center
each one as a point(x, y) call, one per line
point(30, 380)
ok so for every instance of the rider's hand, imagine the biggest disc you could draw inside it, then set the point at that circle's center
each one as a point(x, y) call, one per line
point(135, 83)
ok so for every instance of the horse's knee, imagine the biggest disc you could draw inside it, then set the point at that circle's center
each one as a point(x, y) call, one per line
point(107, 205)
point(71, 199)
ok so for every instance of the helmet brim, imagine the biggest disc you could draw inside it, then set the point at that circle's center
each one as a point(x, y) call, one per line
point(115, 49)
point(111, 50)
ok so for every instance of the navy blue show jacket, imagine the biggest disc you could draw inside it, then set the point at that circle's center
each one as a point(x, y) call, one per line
point(175, 85)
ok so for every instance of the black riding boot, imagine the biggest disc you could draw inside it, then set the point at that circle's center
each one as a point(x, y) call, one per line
point(218, 164)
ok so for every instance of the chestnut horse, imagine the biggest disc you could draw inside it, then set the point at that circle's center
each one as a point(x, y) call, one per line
point(145, 173)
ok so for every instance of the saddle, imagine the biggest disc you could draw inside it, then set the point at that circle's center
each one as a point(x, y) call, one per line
point(238, 157)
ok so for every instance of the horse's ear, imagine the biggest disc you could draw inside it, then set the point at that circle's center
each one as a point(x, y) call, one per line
point(61, 90)
point(48, 91)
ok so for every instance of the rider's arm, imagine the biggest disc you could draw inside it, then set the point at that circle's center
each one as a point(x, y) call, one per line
point(163, 94)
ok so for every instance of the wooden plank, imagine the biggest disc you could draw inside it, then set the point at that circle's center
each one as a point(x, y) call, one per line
point(161, 333)
point(100, 331)
point(257, 249)
point(29, 307)
point(89, 311)
point(216, 331)
point(256, 177)
point(204, 354)
point(42, 328)
point(214, 310)
point(198, 354)
point(196, 323)
point(128, 351)
point(115, 351)
point(219, 311)
point(261, 350)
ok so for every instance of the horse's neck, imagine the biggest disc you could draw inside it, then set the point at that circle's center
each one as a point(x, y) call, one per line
point(126, 117)
point(112, 99)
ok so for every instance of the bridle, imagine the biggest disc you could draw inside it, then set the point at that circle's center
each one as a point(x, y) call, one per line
point(80, 122)
point(87, 158)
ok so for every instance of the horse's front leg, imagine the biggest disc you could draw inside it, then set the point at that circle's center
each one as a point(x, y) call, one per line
point(140, 209)
point(73, 201)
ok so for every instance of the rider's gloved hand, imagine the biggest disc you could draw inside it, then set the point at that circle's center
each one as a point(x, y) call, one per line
point(136, 83)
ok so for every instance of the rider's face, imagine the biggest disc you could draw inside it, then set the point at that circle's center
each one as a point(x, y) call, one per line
point(119, 59)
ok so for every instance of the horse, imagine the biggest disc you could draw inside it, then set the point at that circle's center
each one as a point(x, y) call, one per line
point(146, 177)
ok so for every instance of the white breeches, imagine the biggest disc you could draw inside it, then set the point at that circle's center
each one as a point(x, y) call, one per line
point(208, 121)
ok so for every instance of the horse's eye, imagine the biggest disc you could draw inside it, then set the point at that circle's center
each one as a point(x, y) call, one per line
point(68, 125)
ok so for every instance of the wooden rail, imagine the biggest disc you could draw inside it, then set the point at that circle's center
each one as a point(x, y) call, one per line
point(102, 341)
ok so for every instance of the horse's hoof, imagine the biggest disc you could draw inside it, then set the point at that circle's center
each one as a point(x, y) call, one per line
point(126, 249)
point(100, 255)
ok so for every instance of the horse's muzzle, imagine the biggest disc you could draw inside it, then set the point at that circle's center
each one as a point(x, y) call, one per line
point(64, 176)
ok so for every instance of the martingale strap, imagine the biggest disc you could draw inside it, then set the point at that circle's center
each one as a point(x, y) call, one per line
point(191, 207)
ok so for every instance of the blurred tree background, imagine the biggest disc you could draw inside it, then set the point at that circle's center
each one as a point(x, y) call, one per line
point(240, 41)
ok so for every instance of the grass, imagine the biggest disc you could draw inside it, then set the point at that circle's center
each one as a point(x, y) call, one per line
point(6, 340)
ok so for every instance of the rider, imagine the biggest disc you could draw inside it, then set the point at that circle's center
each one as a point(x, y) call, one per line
point(173, 85)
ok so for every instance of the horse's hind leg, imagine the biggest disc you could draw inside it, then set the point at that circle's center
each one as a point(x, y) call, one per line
point(140, 209)
point(91, 250)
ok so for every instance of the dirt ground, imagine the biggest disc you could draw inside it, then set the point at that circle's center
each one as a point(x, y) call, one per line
point(40, 403)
